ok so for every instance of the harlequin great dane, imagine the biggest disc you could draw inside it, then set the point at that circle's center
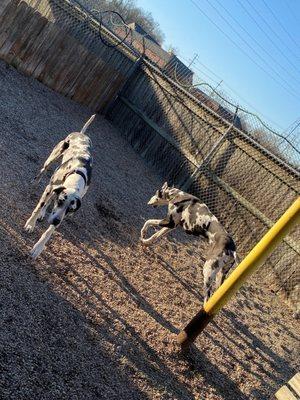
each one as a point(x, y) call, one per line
point(195, 218)
point(67, 186)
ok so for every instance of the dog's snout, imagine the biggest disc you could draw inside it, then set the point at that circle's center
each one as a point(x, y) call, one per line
point(56, 221)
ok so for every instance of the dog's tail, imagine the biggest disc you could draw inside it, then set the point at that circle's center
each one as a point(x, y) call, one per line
point(86, 125)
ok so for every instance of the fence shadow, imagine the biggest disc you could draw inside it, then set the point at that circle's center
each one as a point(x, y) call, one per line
point(145, 360)
point(71, 349)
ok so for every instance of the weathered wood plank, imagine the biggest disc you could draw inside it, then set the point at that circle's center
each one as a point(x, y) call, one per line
point(39, 47)
point(3, 5)
point(15, 29)
point(6, 22)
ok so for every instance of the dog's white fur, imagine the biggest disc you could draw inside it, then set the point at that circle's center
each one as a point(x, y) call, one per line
point(67, 186)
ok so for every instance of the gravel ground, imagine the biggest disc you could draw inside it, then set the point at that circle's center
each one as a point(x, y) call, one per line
point(96, 315)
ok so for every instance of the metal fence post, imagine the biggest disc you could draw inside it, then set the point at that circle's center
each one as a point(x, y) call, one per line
point(125, 85)
point(189, 181)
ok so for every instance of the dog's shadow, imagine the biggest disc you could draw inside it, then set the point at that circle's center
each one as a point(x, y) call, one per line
point(114, 226)
point(195, 361)
point(117, 276)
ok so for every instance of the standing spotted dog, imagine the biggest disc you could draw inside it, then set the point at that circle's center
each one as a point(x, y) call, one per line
point(67, 186)
point(196, 219)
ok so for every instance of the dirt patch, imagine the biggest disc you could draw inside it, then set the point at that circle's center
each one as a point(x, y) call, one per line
point(95, 316)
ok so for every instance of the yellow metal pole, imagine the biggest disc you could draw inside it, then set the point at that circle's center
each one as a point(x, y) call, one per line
point(248, 266)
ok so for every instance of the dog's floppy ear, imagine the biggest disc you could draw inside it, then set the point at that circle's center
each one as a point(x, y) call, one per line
point(165, 185)
point(58, 189)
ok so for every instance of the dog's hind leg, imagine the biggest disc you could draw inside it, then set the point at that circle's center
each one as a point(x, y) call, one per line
point(150, 222)
point(40, 209)
point(220, 278)
point(56, 153)
point(210, 270)
point(40, 245)
point(226, 263)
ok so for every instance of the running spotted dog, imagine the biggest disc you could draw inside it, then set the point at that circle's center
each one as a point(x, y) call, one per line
point(196, 219)
point(67, 186)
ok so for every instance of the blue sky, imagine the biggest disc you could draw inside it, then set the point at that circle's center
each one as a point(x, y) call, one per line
point(275, 47)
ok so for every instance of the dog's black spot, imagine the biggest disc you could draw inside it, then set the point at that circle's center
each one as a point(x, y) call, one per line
point(87, 164)
point(42, 204)
point(65, 146)
point(159, 193)
point(168, 222)
point(78, 205)
point(180, 208)
point(200, 231)
point(190, 232)
point(56, 221)
point(229, 245)
point(178, 203)
point(215, 265)
point(196, 230)
point(59, 189)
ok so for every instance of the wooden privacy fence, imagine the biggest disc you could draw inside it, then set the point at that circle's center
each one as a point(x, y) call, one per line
point(245, 185)
point(53, 42)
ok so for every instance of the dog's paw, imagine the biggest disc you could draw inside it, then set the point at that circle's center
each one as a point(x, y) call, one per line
point(36, 251)
point(29, 226)
point(143, 233)
point(145, 242)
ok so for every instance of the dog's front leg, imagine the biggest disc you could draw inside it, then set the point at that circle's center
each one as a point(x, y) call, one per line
point(155, 236)
point(150, 222)
point(226, 262)
point(40, 245)
point(39, 209)
point(210, 270)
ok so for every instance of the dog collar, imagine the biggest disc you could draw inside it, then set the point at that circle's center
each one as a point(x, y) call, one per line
point(79, 173)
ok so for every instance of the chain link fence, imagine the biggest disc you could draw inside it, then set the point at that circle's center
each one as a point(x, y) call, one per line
point(285, 145)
